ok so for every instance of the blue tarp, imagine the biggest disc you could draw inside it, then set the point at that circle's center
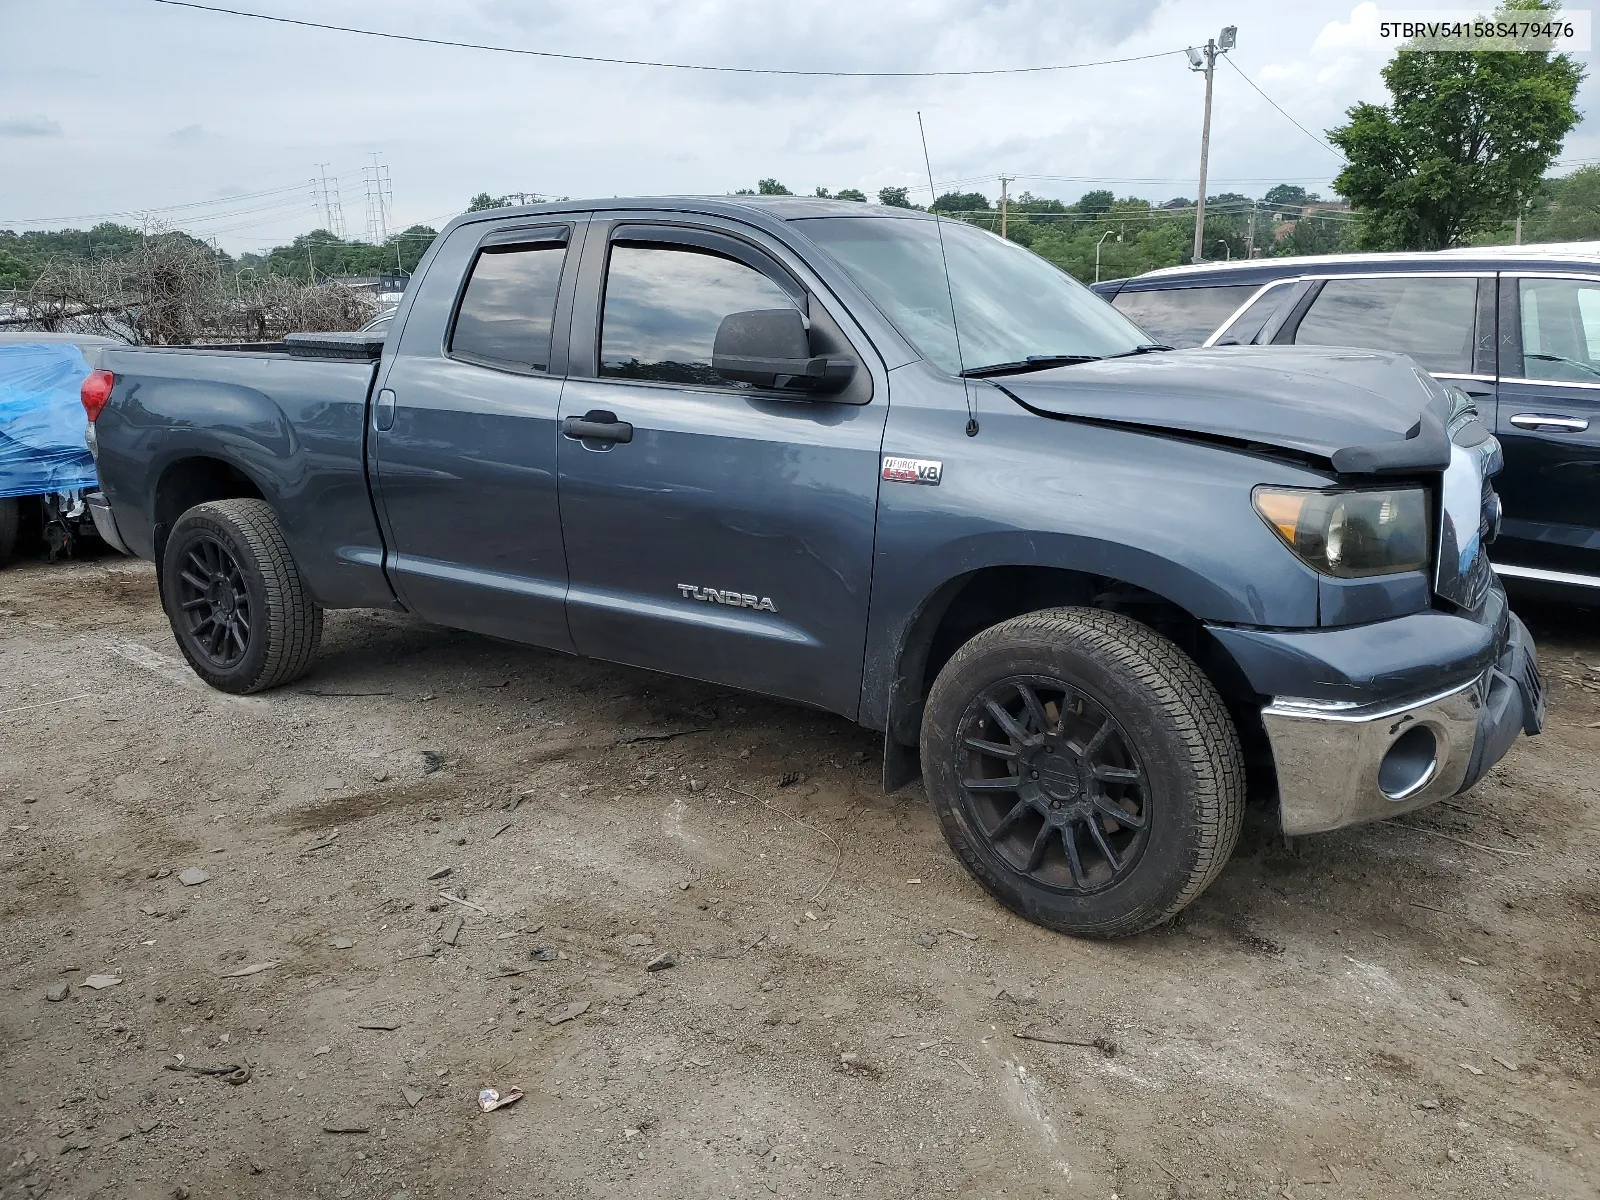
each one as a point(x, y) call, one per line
point(42, 426)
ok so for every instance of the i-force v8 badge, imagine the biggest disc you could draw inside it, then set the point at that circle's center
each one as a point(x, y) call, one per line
point(912, 470)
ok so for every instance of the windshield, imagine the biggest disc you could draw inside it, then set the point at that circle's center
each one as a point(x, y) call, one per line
point(1012, 303)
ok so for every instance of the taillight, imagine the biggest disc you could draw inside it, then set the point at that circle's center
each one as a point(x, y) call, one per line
point(94, 393)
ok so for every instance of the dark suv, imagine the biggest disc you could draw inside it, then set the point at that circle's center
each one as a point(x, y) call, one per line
point(1515, 327)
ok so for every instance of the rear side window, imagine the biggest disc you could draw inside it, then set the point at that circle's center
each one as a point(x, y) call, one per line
point(509, 306)
point(663, 306)
point(1432, 320)
point(1560, 330)
point(1182, 316)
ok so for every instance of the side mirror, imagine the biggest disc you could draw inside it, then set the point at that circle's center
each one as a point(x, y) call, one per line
point(769, 348)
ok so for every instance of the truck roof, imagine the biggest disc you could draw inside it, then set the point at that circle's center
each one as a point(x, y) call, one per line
point(783, 208)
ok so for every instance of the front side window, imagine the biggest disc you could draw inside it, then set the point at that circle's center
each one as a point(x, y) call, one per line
point(1181, 317)
point(509, 306)
point(1012, 303)
point(1560, 330)
point(1432, 320)
point(664, 304)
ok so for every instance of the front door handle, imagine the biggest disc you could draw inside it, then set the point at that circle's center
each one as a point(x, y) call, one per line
point(383, 411)
point(597, 425)
point(1550, 423)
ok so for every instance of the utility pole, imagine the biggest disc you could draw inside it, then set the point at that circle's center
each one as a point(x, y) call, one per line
point(1004, 179)
point(1206, 60)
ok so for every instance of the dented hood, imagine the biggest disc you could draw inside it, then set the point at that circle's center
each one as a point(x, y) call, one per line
point(1364, 411)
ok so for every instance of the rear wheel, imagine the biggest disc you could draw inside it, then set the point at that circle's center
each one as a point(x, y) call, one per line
point(10, 522)
point(1084, 769)
point(235, 598)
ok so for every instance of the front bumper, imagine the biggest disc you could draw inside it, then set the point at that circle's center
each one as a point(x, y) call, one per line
point(1343, 762)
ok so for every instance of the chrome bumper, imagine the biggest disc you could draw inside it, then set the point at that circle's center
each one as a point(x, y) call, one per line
point(1342, 765)
point(104, 523)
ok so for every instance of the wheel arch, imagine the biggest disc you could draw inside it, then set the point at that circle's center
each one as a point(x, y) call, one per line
point(195, 479)
point(965, 605)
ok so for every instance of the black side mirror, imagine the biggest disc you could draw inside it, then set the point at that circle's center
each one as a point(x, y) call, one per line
point(769, 348)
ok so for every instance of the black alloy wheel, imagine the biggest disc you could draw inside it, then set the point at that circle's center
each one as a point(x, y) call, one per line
point(240, 610)
point(215, 603)
point(1084, 769)
point(1054, 783)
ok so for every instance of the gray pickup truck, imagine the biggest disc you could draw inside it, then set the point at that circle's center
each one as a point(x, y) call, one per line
point(883, 465)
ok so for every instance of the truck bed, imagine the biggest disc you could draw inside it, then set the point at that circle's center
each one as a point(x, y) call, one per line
point(290, 418)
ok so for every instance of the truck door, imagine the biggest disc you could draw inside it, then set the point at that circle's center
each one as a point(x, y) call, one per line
point(1549, 427)
point(713, 530)
point(463, 445)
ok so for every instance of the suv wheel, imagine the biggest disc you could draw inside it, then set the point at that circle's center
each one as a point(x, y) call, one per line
point(238, 607)
point(10, 523)
point(1084, 769)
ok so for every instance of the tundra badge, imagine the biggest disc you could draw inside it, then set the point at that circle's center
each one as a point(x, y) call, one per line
point(718, 596)
point(912, 470)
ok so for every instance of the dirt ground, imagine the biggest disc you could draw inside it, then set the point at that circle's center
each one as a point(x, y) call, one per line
point(1387, 1012)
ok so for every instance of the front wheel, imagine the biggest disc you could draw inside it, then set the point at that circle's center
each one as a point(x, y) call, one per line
point(237, 603)
point(1084, 769)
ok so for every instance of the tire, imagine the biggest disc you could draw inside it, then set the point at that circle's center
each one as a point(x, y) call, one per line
point(10, 522)
point(238, 606)
point(1121, 721)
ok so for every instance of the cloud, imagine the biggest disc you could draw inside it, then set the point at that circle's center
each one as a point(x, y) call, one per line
point(30, 127)
point(191, 135)
point(1359, 33)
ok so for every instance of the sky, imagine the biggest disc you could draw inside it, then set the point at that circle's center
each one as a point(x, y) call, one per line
point(137, 111)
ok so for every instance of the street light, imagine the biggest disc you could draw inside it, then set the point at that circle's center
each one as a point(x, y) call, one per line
point(1228, 250)
point(1206, 60)
point(1097, 246)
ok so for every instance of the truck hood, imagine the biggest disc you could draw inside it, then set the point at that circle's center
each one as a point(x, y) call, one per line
point(1365, 412)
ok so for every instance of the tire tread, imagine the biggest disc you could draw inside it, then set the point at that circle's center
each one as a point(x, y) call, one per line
point(294, 620)
point(10, 526)
point(1188, 699)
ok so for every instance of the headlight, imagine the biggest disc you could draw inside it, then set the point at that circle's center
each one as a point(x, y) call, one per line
point(1350, 534)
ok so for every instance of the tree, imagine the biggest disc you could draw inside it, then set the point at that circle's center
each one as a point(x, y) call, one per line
point(771, 187)
point(1313, 234)
point(483, 201)
point(1462, 143)
point(1567, 210)
point(895, 197)
point(855, 194)
point(1287, 198)
point(1097, 201)
point(961, 202)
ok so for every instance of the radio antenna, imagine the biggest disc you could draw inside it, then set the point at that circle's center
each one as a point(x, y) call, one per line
point(955, 323)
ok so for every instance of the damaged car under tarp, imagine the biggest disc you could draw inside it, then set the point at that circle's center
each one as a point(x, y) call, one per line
point(45, 465)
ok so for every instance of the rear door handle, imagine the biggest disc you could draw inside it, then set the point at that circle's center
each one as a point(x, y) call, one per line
point(383, 411)
point(597, 425)
point(1550, 423)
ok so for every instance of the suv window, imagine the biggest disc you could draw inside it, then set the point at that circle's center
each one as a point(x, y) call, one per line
point(1247, 326)
point(1560, 330)
point(663, 306)
point(1182, 317)
point(509, 306)
point(1432, 320)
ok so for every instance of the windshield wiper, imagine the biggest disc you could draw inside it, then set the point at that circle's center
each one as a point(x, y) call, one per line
point(1151, 348)
point(1034, 362)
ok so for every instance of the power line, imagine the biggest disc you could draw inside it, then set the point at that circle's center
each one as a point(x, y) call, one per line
point(634, 62)
point(1285, 115)
point(169, 208)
